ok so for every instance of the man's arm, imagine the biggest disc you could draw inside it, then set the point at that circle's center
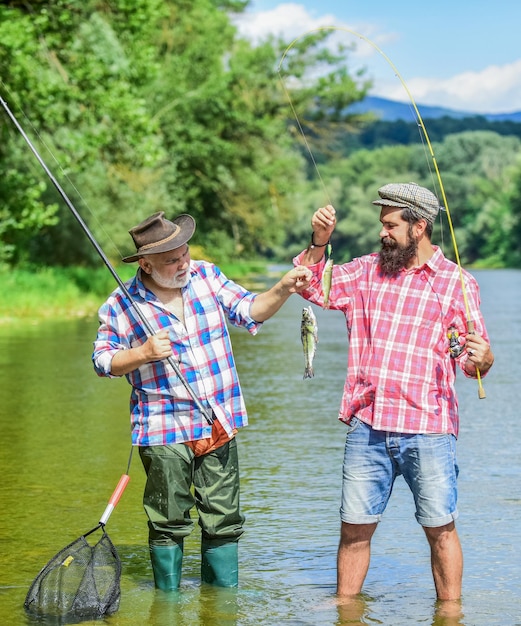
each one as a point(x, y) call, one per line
point(269, 302)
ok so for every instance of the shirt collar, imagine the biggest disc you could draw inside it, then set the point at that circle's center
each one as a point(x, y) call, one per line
point(436, 260)
point(432, 265)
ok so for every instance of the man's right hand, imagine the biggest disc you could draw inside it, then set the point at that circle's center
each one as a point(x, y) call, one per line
point(157, 347)
point(323, 224)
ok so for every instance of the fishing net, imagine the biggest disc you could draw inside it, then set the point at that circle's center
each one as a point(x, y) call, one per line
point(80, 582)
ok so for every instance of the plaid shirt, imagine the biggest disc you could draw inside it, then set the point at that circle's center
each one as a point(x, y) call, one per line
point(400, 375)
point(162, 411)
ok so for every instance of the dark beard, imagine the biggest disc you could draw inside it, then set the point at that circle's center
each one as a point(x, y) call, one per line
point(394, 257)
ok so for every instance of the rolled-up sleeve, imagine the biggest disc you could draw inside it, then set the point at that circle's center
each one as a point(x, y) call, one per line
point(109, 341)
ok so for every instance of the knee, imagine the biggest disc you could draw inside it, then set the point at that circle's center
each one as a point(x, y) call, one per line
point(356, 533)
point(440, 535)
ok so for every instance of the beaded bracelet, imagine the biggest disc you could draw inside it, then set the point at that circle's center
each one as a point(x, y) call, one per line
point(317, 245)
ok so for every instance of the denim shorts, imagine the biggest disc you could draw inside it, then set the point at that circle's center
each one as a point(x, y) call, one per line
point(372, 461)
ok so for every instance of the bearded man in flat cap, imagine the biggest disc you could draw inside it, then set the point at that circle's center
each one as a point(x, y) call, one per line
point(186, 439)
point(407, 323)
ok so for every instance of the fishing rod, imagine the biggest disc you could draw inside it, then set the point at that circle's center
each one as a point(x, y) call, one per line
point(208, 416)
point(419, 119)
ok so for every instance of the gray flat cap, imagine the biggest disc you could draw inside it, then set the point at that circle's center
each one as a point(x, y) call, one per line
point(410, 196)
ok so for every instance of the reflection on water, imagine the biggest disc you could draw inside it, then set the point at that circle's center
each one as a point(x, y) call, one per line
point(66, 442)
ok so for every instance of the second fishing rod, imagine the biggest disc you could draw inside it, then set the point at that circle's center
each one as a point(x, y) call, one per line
point(144, 321)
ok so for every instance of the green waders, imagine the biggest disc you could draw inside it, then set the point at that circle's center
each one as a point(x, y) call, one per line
point(167, 562)
point(220, 563)
point(171, 472)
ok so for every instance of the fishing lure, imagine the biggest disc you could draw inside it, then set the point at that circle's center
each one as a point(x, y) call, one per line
point(327, 276)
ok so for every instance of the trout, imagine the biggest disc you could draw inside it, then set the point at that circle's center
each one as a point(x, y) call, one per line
point(309, 337)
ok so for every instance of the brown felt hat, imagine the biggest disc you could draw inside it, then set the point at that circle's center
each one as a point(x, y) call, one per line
point(156, 234)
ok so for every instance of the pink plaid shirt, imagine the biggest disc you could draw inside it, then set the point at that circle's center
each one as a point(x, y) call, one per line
point(400, 375)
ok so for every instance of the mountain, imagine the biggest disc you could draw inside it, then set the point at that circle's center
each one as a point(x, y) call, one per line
point(391, 110)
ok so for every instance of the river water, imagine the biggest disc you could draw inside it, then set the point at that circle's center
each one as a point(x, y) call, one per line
point(65, 443)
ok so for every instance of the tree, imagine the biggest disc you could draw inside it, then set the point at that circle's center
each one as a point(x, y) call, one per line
point(512, 241)
point(476, 169)
point(67, 70)
point(154, 105)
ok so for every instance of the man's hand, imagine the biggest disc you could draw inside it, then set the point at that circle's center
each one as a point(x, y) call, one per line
point(323, 224)
point(297, 279)
point(157, 347)
point(269, 302)
point(480, 354)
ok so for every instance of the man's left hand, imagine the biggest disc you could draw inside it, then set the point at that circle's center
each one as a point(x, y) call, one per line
point(298, 279)
point(479, 352)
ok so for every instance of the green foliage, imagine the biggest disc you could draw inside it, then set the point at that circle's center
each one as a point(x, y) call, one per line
point(513, 223)
point(479, 171)
point(67, 70)
point(56, 292)
point(154, 105)
point(375, 134)
point(479, 166)
point(147, 105)
point(47, 293)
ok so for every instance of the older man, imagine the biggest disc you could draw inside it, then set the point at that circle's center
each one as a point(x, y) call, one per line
point(188, 461)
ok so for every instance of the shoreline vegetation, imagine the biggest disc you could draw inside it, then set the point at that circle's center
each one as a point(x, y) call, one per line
point(44, 293)
point(39, 294)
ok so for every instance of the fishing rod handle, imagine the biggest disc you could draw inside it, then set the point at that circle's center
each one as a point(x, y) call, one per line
point(481, 391)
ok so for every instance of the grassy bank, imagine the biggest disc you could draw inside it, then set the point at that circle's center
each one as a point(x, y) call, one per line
point(58, 293)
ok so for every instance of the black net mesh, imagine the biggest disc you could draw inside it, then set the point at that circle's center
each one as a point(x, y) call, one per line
point(81, 582)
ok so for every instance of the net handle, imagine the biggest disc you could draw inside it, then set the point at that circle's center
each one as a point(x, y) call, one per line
point(114, 499)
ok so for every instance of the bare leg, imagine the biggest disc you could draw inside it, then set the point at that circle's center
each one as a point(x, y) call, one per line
point(354, 554)
point(446, 561)
point(448, 613)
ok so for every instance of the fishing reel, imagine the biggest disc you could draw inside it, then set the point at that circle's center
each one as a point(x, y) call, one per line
point(455, 347)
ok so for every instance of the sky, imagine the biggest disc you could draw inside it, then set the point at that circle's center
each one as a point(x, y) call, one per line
point(459, 54)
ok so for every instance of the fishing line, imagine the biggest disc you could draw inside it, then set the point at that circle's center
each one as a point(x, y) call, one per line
point(306, 143)
point(419, 119)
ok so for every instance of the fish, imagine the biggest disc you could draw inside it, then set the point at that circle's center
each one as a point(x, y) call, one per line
point(327, 274)
point(309, 337)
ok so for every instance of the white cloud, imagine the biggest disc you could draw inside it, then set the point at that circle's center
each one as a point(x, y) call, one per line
point(485, 91)
point(481, 92)
point(291, 20)
point(286, 20)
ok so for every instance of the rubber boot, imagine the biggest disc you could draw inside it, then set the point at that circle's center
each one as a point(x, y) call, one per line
point(167, 562)
point(220, 563)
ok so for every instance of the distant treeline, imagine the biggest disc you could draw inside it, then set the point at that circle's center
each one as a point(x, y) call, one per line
point(402, 132)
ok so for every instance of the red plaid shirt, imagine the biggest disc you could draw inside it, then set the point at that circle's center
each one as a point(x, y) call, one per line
point(400, 375)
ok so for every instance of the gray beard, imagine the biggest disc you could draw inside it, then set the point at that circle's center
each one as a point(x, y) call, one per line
point(395, 257)
point(171, 283)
